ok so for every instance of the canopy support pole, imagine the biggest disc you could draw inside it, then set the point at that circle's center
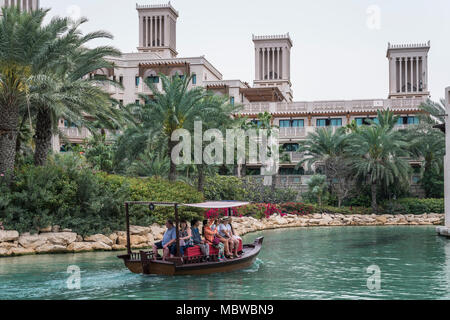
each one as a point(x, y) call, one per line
point(128, 229)
point(177, 222)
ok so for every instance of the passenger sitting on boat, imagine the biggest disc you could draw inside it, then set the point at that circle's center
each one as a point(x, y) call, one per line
point(210, 236)
point(236, 239)
point(168, 243)
point(226, 239)
point(185, 236)
point(197, 238)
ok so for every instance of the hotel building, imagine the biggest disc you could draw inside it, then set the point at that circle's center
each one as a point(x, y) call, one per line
point(271, 90)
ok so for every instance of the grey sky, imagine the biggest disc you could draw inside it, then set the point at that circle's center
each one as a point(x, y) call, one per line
point(336, 53)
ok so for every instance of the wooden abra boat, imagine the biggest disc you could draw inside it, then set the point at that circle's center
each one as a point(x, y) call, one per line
point(143, 262)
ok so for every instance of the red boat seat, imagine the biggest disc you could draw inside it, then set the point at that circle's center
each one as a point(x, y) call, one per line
point(195, 251)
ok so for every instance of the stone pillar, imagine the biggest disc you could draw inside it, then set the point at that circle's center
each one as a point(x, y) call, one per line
point(151, 32)
point(145, 31)
point(417, 74)
point(257, 64)
point(141, 32)
point(160, 30)
point(447, 159)
point(401, 75)
point(285, 64)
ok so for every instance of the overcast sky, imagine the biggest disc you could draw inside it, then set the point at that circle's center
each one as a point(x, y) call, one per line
point(339, 46)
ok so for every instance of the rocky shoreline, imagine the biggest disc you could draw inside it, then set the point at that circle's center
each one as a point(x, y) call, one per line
point(54, 240)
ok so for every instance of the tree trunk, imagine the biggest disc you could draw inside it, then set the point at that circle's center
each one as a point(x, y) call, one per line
point(201, 177)
point(9, 116)
point(173, 167)
point(374, 197)
point(43, 136)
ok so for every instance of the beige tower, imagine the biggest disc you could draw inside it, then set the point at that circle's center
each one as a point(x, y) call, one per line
point(26, 5)
point(273, 63)
point(408, 70)
point(157, 29)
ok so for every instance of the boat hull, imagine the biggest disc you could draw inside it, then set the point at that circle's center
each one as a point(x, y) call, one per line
point(151, 267)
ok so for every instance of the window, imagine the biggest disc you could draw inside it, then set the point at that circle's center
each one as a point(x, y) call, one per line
point(232, 101)
point(121, 80)
point(407, 120)
point(68, 124)
point(136, 80)
point(153, 79)
point(291, 147)
point(137, 102)
point(329, 122)
point(291, 171)
point(336, 122)
point(194, 79)
point(258, 123)
point(285, 123)
point(297, 123)
point(365, 121)
point(413, 120)
point(121, 103)
point(321, 122)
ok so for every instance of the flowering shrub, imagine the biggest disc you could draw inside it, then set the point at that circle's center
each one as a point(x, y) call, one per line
point(297, 208)
point(219, 213)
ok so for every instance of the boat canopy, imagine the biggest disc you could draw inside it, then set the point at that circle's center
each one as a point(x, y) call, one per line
point(217, 204)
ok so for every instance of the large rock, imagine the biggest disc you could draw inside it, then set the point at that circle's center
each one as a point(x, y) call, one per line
point(19, 251)
point(88, 246)
point(157, 230)
point(8, 245)
point(46, 229)
point(4, 252)
point(32, 241)
point(60, 238)
point(101, 246)
point(8, 235)
point(381, 219)
point(113, 237)
point(51, 248)
point(99, 238)
point(118, 247)
point(136, 240)
point(140, 231)
point(80, 247)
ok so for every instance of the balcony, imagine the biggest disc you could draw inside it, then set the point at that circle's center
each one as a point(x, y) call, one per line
point(292, 132)
point(77, 135)
point(351, 106)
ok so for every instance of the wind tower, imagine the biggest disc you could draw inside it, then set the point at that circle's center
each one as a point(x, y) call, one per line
point(273, 63)
point(25, 5)
point(408, 70)
point(158, 29)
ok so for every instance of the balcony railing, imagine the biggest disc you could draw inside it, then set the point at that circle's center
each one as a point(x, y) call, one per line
point(333, 106)
point(292, 133)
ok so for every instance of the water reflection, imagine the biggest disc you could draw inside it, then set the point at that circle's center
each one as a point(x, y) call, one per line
point(309, 263)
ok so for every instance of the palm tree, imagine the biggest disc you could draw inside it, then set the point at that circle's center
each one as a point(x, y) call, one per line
point(377, 152)
point(175, 107)
point(23, 41)
point(65, 91)
point(322, 147)
point(218, 117)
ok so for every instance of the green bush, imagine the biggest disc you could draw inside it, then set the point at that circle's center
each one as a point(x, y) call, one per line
point(218, 188)
point(68, 194)
point(414, 206)
point(233, 188)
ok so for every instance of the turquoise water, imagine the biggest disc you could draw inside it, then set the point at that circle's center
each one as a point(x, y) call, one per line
point(310, 263)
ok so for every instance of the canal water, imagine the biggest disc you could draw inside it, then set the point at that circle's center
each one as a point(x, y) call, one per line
point(307, 263)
